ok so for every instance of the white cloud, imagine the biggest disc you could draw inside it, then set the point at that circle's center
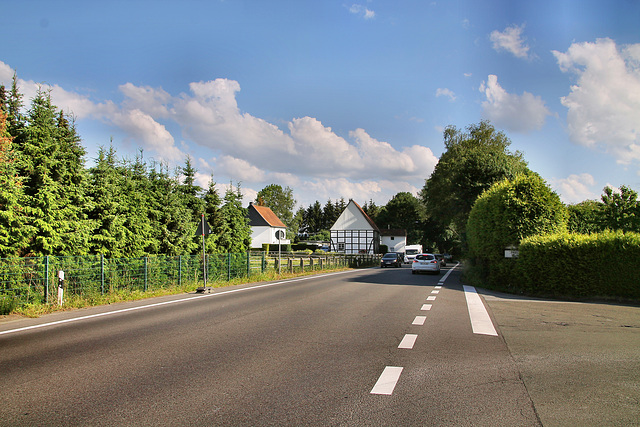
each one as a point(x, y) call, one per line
point(511, 40)
point(239, 169)
point(446, 92)
point(306, 155)
point(604, 104)
point(575, 188)
point(518, 113)
point(6, 74)
point(151, 101)
point(142, 127)
point(358, 9)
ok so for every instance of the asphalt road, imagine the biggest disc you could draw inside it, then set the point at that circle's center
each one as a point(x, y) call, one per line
point(363, 348)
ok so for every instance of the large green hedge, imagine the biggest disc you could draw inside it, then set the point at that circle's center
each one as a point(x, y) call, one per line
point(502, 216)
point(602, 265)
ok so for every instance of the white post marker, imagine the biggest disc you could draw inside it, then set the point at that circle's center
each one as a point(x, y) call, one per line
point(60, 287)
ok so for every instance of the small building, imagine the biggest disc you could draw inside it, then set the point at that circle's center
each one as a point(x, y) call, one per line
point(354, 232)
point(264, 225)
point(395, 240)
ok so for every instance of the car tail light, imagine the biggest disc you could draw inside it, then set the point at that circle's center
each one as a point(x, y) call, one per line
point(415, 260)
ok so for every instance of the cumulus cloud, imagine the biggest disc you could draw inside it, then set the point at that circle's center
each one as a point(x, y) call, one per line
point(575, 188)
point(511, 40)
point(143, 128)
point(446, 92)
point(240, 169)
point(362, 11)
point(304, 154)
point(518, 113)
point(604, 105)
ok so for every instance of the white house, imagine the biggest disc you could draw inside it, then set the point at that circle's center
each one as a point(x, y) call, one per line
point(354, 232)
point(264, 226)
point(395, 240)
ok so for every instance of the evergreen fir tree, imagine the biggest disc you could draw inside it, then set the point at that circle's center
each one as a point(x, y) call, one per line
point(235, 233)
point(12, 230)
point(212, 202)
point(106, 214)
point(50, 159)
point(190, 196)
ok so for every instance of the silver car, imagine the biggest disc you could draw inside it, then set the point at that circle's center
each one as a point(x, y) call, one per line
point(425, 262)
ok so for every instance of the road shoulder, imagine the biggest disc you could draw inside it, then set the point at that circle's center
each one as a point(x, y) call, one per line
point(580, 361)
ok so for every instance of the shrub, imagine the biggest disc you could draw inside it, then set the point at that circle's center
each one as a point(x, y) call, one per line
point(502, 216)
point(599, 265)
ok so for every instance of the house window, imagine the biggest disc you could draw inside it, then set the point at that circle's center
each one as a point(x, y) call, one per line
point(392, 238)
point(341, 247)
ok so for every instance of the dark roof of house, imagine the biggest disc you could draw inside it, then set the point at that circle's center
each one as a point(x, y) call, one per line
point(392, 232)
point(262, 216)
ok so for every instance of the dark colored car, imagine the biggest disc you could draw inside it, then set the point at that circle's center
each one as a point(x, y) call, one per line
point(391, 259)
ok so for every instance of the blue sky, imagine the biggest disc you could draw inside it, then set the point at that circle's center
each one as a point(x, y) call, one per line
point(339, 99)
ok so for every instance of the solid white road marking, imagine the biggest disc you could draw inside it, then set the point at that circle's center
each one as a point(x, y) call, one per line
point(448, 273)
point(426, 307)
point(480, 321)
point(408, 341)
point(419, 320)
point(192, 298)
point(431, 298)
point(387, 381)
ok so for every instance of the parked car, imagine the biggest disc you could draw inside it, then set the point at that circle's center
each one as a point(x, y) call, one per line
point(441, 258)
point(425, 262)
point(391, 259)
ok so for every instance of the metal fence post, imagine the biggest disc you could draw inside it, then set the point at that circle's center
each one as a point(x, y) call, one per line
point(46, 277)
point(248, 264)
point(145, 273)
point(102, 273)
point(228, 267)
point(179, 270)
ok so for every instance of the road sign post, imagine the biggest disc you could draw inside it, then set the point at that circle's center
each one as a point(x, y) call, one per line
point(203, 229)
point(279, 236)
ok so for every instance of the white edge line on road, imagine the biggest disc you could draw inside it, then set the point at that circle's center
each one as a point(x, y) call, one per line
point(192, 298)
point(408, 341)
point(387, 381)
point(480, 321)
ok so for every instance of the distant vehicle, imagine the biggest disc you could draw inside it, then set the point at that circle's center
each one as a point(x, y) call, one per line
point(425, 262)
point(410, 252)
point(441, 258)
point(391, 259)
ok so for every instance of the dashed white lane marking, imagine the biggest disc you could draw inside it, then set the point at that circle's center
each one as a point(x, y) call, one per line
point(431, 298)
point(408, 341)
point(387, 381)
point(419, 320)
point(435, 292)
point(438, 287)
point(480, 321)
point(426, 307)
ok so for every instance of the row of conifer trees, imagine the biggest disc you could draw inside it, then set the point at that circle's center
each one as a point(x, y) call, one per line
point(52, 204)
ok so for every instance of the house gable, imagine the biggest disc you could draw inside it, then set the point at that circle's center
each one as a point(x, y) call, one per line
point(354, 218)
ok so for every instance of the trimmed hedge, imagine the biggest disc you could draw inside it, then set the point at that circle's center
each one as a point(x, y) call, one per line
point(502, 216)
point(602, 265)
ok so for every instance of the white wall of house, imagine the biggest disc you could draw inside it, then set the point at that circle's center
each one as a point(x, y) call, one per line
point(262, 235)
point(394, 243)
